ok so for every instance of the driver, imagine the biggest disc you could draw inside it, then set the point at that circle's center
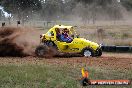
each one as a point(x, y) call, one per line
point(65, 37)
point(58, 34)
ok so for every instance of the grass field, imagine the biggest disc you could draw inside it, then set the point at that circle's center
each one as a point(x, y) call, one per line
point(31, 72)
point(109, 35)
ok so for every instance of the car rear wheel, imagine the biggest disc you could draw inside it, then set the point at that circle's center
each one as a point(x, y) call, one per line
point(41, 50)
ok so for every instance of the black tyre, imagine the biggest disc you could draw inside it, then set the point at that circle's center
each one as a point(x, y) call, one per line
point(122, 48)
point(87, 52)
point(41, 50)
point(109, 48)
point(99, 52)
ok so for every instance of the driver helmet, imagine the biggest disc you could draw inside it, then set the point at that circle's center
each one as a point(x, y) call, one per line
point(65, 31)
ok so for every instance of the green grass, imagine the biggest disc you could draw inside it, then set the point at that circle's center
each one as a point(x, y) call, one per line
point(54, 76)
point(34, 76)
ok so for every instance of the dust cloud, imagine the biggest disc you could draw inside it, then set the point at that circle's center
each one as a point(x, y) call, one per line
point(16, 42)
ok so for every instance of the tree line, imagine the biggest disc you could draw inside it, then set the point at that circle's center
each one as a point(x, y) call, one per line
point(85, 10)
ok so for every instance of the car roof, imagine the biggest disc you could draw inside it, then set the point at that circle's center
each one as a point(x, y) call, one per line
point(63, 26)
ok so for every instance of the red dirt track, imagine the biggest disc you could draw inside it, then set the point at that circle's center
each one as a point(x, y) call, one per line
point(108, 61)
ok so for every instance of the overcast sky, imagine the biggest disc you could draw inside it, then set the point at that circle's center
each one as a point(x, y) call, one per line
point(5, 13)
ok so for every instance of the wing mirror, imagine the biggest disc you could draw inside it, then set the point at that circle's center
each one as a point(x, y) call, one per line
point(72, 36)
point(78, 36)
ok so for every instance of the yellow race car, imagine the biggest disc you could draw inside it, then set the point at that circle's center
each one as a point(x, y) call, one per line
point(77, 45)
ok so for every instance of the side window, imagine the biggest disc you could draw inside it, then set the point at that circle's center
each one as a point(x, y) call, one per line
point(51, 33)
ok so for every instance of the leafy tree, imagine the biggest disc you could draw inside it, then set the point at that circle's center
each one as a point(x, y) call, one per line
point(12, 5)
point(52, 8)
point(1, 15)
point(127, 4)
point(60, 9)
point(21, 9)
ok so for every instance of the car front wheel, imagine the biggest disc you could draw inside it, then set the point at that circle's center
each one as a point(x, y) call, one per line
point(87, 52)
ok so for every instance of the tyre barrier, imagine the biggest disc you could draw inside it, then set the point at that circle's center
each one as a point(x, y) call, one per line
point(122, 48)
point(130, 49)
point(109, 48)
point(116, 48)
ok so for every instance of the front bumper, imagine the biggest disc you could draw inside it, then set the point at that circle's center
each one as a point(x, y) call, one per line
point(98, 51)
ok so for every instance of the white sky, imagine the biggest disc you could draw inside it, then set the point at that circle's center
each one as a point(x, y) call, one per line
point(118, 0)
point(5, 13)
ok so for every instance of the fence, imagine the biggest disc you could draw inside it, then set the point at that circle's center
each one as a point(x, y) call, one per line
point(36, 23)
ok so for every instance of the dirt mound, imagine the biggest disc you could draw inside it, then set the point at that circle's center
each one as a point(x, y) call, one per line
point(11, 44)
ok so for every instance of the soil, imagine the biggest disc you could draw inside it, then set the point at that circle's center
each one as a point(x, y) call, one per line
point(106, 61)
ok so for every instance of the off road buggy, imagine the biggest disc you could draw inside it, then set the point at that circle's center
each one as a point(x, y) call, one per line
point(78, 45)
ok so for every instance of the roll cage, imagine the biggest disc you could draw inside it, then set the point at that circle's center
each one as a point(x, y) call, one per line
point(53, 32)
